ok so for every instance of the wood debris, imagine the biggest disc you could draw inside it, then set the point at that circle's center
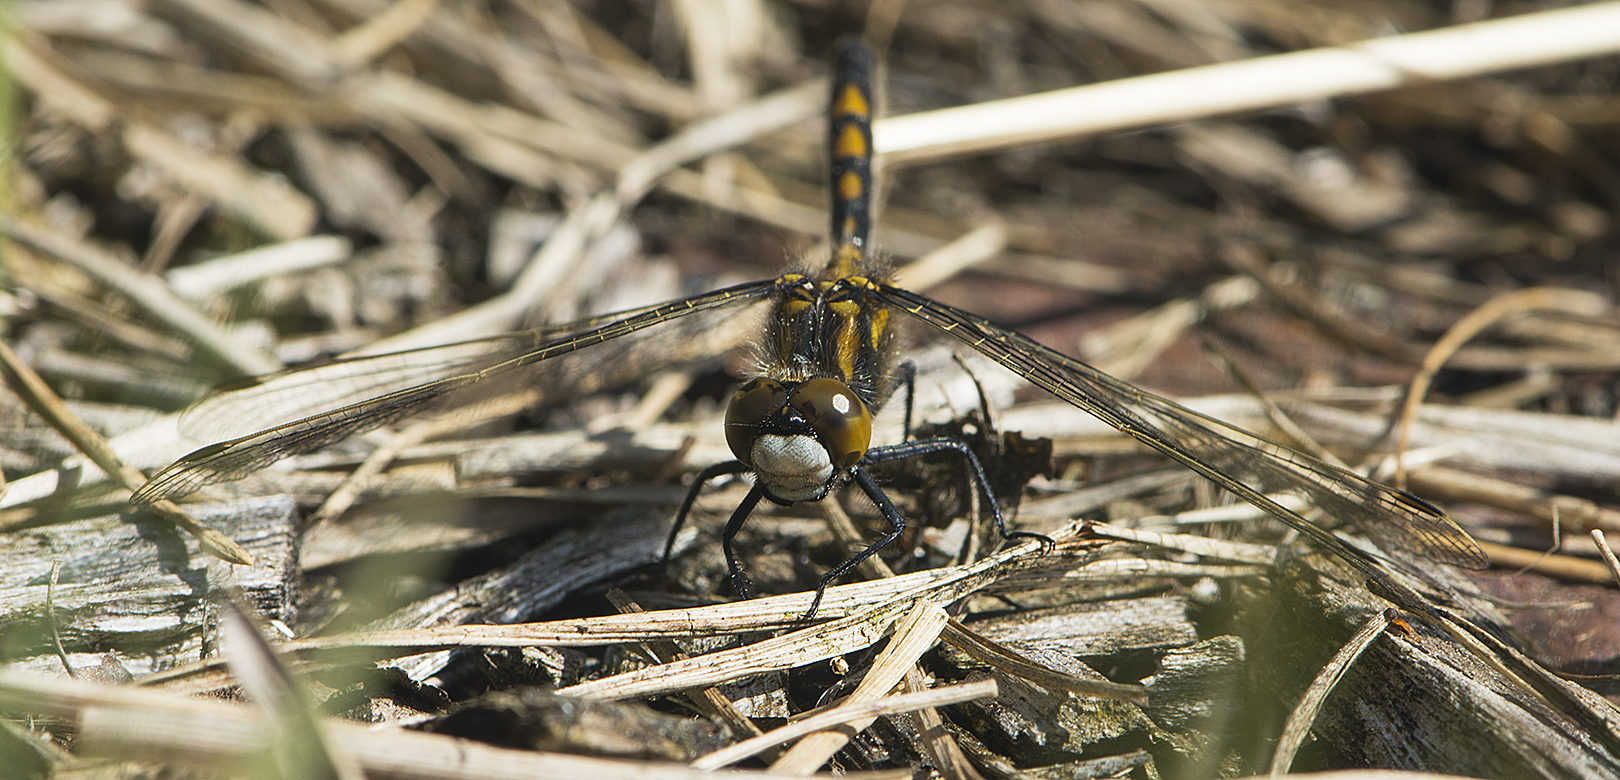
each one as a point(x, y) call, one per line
point(206, 189)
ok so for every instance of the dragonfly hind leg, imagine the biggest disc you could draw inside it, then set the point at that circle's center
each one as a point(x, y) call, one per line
point(975, 469)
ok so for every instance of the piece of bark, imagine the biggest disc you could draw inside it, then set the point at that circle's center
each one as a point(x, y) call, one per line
point(1195, 688)
point(139, 587)
point(441, 522)
point(539, 580)
point(1040, 727)
point(1096, 629)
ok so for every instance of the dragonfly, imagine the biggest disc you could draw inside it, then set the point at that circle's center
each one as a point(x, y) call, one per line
point(803, 425)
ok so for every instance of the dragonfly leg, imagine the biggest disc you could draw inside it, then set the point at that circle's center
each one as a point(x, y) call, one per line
point(975, 469)
point(897, 524)
point(703, 478)
point(739, 580)
point(906, 376)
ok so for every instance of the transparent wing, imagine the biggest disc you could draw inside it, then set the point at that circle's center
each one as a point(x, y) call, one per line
point(263, 402)
point(1247, 465)
point(360, 394)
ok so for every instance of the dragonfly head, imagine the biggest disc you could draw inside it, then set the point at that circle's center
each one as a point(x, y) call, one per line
point(798, 436)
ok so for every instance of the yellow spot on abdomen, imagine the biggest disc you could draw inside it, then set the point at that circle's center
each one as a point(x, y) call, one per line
point(851, 143)
point(851, 102)
point(849, 186)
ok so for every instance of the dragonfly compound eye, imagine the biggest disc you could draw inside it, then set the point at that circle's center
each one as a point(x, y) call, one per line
point(749, 408)
point(839, 418)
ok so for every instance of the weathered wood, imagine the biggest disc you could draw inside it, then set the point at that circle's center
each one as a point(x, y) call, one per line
point(1419, 699)
point(1195, 691)
point(572, 560)
point(1098, 629)
point(1050, 727)
point(139, 588)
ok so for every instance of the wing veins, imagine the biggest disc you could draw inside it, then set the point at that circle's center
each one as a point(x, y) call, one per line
point(239, 457)
point(260, 402)
point(1214, 449)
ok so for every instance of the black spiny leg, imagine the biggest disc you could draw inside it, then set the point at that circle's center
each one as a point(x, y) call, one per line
point(907, 375)
point(914, 448)
point(897, 524)
point(739, 580)
point(717, 470)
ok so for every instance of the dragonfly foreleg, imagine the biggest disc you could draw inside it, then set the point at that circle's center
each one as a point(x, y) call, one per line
point(703, 478)
point(739, 580)
point(897, 525)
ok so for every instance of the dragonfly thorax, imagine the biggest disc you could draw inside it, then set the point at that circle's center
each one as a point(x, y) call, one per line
point(798, 437)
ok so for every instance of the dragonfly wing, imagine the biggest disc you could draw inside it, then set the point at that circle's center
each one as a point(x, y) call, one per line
point(264, 402)
point(1248, 465)
point(239, 457)
point(406, 384)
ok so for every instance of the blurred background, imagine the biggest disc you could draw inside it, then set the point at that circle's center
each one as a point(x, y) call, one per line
point(315, 177)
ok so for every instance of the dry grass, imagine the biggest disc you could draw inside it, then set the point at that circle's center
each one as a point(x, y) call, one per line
point(1403, 252)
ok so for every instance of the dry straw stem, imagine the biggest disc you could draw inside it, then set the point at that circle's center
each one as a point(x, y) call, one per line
point(968, 250)
point(1571, 513)
point(1293, 435)
point(266, 202)
point(542, 280)
point(1565, 567)
point(914, 634)
point(860, 600)
point(204, 280)
point(1203, 546)
point(709, 701)
point(367, 40)
point(133, 724)
point(299, 745)
point(797, 648)
point(146, 291)
point(948, 757)
point(1608, 555)
point(1125, 348)
point(849, 714)
point(853, 605)
point(1003, 659)
point(1304, 713)
point(1500, 307)
point(1315, 309)
point(998, 656)
point(1262, 82)
point(370, 469)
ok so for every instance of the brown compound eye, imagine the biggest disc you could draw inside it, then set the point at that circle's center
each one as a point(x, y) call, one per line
point(840, 419)
point(753, 402)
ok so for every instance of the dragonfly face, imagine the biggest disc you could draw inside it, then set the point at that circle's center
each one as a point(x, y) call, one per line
point(798, 437)
point(804, 426)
